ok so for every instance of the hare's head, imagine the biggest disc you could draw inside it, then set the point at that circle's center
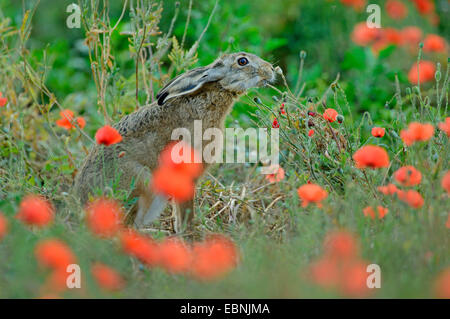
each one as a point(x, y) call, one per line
point(235, 72)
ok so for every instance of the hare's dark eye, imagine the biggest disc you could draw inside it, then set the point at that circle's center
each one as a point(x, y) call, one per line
point(242, 61)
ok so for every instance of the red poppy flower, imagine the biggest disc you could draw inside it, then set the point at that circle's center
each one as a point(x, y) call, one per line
point(330, 115)
point(57, 280)
point(353, 280)
point(141, 247)
point(446, 182)
point(107, 135)
point(411, 197)
point(275, 124)
point(408, 176)
point(310, 132)
point(107, 278)
point(424, 74)
point(442, 284)
point(417, 132)
point(389, 189)
point(182, 158)
point(104, 217)
point(378, 131)
point(434, 43)
point(3, 226)
point(213, 258)
point(176, 257)
point(371, 156)
point(66, 120)
point(35, 210)
point(55, 254)
point(445, 126)
point(325, 272)
point(3, 100)
point(396, 9)
point(363, 35)
point(412, 35)
point(369, 212)
point(277, 176)
point(341, 245)
point(170, 183)
point(392, 36)
point(424, 6)
point(311, 193)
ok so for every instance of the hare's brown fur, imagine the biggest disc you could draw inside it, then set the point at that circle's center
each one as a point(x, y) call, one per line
point(127, 165)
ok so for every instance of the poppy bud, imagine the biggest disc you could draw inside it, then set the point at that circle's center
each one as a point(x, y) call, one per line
point(302, 54)
point(437, 75)
point(257, 100)
point(340, 118)
point(275, 98)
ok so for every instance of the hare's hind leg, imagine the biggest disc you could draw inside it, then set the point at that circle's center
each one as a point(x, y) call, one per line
point(184, 214)
point(150, 208)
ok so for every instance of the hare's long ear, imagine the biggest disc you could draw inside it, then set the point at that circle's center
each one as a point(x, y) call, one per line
point(191, 81)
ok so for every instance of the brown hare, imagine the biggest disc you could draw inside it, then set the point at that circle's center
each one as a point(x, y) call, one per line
point(205, 93)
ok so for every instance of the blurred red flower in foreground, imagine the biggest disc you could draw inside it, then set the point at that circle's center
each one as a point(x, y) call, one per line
point(3, 100)
point(424, 6)
point(442, 284)
point(389, 189)
point(311, 193)
point(425, 72)
point(363, 35)
point(408, 176)
point(35, 210)
point(396, 9)
point(445, 183)
point(371, 156)
point(213, 258)
point(66, 120)
point(167, 182)
point(378, 131)
point(340, 266)
point(417, 132)
point(176, 172)
point(445, 126)
point(175, 256)
point(358, 5)
point(411, 197)
point(143, 248)
point(277, 176)
point(104, 217)
point(325, 272)
point(55, 254)
point(340, 244)
point(434, 43)
point(354, 278)
point(330, 115)
point(173, 157)
point(412, 35)
point(3, 226)
point(107, 135)
point(369, 212)
point(107, 278)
